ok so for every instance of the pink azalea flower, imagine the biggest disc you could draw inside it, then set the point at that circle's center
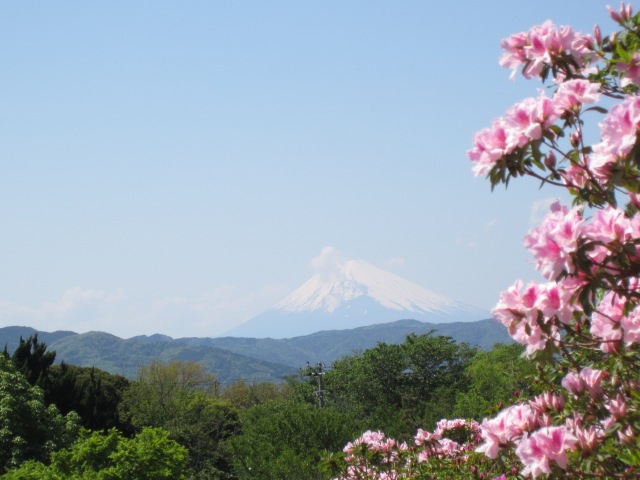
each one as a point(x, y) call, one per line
point(588, 379)
point(541, 46)
point(630, 71)
point(548, 444)
point(506, 427)
point(489, 145)
point(618, 136)
point(547, 401)
point(617, 407)
point(574, 93)
point(605, 322)
point(630, 325)
point(553, 242)
point(522, 312)
point(573, 383)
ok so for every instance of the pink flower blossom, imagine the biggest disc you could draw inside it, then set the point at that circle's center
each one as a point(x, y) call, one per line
point(489, 145)
point(574, 93)
point(547, 401)
point(588, 438)
point(524, 312)
point(617, 407)
point(630, 325)
point(522, 123)
point(508, 426)
point(587, 379)
point(605, 322)
point(543, 446)
point(630, 71)
point(541, 46)
point(618, 136)
point(425, 437)
point(612, 225)
point(553, 242)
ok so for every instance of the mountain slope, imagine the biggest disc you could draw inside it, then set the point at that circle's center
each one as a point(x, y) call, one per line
point(124, 357)
point(327, 346)
point(251, 359)
point(355, 295)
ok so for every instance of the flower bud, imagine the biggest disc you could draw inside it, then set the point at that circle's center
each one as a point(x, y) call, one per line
point(575, 139)
point(627, 436)
point(597, 35)
point(550, 161)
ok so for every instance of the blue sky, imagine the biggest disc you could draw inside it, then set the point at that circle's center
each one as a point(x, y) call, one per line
point(174, 167)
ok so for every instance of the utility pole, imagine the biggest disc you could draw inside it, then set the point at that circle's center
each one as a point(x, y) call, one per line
point(318, 372)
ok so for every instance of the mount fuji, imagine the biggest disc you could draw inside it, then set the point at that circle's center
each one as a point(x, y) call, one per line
point(353, 294)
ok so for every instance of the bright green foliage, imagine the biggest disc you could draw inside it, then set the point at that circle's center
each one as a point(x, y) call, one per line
point(398, 388)
point(159, 393)
point(150, 455)
point(180, 398)
point(28, 429)
point(499, 376)
point(286, 440)
point(33, 470)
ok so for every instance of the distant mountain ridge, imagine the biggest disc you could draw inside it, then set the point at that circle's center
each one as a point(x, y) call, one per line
point(355, 294)
point(250, 359)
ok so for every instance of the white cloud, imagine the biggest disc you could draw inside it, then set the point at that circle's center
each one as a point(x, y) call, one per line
point(396, 262)
point(328, 263)
point(84, 309)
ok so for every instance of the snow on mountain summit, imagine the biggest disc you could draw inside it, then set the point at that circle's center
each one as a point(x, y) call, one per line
point(358, 278)
point(352, 294)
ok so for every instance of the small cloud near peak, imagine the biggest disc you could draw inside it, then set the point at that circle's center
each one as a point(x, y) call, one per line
point(396, 262)
point(329, 263)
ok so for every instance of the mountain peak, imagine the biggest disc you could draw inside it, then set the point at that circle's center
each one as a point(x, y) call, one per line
point(352, 294)
point(356, 278)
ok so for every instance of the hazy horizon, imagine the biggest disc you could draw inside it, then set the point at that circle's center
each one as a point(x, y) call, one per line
point(176, 168)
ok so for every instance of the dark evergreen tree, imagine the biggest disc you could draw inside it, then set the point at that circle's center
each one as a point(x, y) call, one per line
point(32, 359)
point(94, 394)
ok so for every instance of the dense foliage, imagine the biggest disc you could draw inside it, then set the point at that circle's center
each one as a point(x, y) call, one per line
point(150, 455)
point(28, 428)
point(245, 431)
point(398, 388)
point(181, 398)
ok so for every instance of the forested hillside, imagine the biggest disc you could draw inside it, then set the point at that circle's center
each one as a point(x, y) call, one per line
point(175, 420)
point(250, 359)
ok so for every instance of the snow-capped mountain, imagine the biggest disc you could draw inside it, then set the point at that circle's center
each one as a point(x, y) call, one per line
point(354, 295)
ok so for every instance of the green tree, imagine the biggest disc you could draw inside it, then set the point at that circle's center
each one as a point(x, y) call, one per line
point(495, 377)
point(150, 455)
point(160, 391)
point(244, 395)
point(286, 440)
point(398, 388)
point(94, 394)
point(90, 392)
point(32, 359)
point(180, 397)
point(29, 430)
